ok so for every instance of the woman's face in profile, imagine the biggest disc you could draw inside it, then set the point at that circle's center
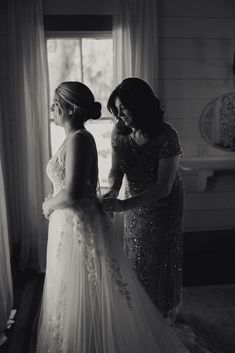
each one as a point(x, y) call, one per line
point(123, 113)
point(56, 112)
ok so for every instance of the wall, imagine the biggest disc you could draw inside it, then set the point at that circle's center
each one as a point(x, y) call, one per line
point(196, 44)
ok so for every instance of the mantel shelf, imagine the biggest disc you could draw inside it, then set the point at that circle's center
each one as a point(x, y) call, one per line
point(206, 166)
point(209, 163)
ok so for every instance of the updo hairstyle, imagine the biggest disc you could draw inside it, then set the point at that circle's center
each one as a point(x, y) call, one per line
point(78, 100)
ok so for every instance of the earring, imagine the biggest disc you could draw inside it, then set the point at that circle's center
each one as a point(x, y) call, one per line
point(70, 112)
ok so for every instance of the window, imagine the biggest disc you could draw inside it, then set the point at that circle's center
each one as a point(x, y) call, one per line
point(88, 59)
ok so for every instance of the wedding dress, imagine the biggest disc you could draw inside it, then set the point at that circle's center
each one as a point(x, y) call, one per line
point(92, 301)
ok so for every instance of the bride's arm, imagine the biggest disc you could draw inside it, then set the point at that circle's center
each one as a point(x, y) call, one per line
point(79, 159)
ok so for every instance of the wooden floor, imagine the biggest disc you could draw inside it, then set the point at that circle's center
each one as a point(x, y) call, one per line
point(209, 258)
point(208, 303)
point(210, 313)
point(28, 288)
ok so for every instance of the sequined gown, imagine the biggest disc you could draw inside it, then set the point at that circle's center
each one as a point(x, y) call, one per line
point(153, 233)
point(92, 301)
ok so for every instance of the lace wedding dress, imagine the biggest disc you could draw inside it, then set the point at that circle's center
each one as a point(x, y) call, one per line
point(92, 301)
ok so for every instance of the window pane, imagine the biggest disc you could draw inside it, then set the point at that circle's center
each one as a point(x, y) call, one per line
point(64, 61)
point(88, 60)
point(98, 68)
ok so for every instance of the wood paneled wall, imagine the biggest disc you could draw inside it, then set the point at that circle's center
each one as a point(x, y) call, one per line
point(196, 45)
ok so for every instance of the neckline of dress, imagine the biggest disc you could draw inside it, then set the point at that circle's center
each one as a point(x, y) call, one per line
point(136, 144)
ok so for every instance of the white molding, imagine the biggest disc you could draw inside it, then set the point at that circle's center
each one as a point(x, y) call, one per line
point(206, 166)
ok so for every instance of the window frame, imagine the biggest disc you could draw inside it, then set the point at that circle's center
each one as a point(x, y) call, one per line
point(53, 33)
point(73, 26)
point(71, 23)
point(77, 35)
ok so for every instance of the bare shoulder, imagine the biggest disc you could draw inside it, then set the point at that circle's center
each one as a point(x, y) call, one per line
point(82, 138)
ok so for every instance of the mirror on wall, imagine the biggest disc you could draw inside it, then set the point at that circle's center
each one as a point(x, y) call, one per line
point(217, 122)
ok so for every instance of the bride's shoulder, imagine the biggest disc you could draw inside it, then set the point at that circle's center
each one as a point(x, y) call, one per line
point(80, 139)
point(80, 135)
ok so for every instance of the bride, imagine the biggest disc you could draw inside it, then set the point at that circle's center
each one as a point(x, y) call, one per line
point(92, 301)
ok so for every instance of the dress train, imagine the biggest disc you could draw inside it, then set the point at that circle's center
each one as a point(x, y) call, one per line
point(92, 301)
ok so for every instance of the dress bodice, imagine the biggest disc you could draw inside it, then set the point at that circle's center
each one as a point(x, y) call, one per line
point(56, 170)
point(140, 163)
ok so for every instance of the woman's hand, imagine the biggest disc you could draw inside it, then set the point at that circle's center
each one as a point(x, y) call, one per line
point(46, 210)
point(110, 194)
point(49, 196)
point(113, 205)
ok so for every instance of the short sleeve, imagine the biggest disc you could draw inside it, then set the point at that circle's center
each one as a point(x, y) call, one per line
point(169, 144)
point(117, 140)
point(114, 139)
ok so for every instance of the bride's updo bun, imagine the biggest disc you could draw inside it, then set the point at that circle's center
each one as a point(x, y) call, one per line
point(78, 99)
point(95, 111)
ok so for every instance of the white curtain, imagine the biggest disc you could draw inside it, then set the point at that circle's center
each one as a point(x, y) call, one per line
point(135, 40)
point(26, 123)
point(6, 294)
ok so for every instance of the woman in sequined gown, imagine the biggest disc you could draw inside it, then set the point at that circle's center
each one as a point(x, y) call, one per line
point(146, 151)
point(92, 300)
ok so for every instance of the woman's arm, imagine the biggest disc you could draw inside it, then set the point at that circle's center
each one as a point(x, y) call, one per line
point(79, 159)
point(166, 175)
point(115, 177)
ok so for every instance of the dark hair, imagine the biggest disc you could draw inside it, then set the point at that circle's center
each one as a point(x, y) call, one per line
point(145, 107)
point(78, 97)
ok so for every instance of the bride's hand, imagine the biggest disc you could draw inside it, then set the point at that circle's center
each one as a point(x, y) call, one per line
point(48, 197)
point(46, 209)
point(113, 205)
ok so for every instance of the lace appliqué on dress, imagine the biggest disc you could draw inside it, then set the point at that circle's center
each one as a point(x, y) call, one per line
point(115, 270)
point(117, 278)
point(85, 238)
point(56, 323)
point(85, 234)
point(56, 170)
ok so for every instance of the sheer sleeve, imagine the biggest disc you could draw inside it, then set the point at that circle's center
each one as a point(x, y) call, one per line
point(116, 140)
point(169, 144)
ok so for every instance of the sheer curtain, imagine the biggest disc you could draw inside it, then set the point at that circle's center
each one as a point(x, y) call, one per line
point(26, 123)
point(6, 295)
point(135, 50)
point(135, 40)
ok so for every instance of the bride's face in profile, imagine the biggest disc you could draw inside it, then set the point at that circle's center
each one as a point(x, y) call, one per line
point(57, 114)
